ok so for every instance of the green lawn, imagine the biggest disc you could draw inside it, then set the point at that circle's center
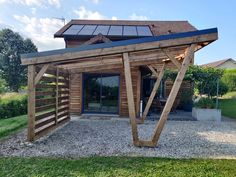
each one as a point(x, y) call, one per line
point(12, 125)
point(228, 105)
point(116, 166)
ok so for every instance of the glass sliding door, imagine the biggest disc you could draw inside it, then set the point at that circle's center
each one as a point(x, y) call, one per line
point(101, 93)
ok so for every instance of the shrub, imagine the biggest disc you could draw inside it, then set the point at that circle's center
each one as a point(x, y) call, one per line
point(229, 78)
point(12, 105)
point(205, 103)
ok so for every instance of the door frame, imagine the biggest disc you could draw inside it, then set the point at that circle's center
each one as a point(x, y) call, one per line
point(83, 95)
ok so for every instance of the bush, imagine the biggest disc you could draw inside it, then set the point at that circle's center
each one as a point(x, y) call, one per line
point(229, 78)
point(205, 103)
point(3, 87)
point(12, 105)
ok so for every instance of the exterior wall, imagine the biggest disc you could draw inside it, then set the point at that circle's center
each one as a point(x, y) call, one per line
point(76, 91)
point(228, 65)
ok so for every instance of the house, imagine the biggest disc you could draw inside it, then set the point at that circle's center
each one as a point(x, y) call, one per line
point(102, 71)
point(222, 64)
point(104, 91)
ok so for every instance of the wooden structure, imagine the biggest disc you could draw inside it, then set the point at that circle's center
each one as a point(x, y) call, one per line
point(50, 74)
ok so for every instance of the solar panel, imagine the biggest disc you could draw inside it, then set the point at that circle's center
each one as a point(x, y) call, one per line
point(87, 30)
point(103, 29)
point(144, 31)
point(130, 31)
point(115, 30)
point(73, 29)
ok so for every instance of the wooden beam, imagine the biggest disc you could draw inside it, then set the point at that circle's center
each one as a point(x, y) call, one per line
point(130, 98)
point(172, 58)
point(153, 93)
point(152, 70)
point(31, 102)
point(119, 49)
point(173, 94)
point(41, 73)
point(57, 95)
point(98, 38)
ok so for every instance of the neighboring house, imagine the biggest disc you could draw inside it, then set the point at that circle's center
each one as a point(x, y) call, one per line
point(223, 64)
point(104, 92)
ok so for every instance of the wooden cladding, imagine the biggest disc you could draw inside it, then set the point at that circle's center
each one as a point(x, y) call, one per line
point(51, 101)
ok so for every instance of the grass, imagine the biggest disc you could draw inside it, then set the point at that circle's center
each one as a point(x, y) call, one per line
point(12, 125)
point(228, 105)
point(116, 166)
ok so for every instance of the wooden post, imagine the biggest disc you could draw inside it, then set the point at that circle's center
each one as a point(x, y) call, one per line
point(130, 98)
point(173, 94)
point(56, 111)
point(154, 91)
point(31, 102)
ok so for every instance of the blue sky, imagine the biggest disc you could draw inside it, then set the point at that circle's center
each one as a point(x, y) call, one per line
point(35, 19)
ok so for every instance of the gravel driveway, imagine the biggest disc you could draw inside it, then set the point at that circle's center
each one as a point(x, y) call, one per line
point(80, 138)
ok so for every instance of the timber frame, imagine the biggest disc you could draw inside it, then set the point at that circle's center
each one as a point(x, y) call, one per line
point(49, 75)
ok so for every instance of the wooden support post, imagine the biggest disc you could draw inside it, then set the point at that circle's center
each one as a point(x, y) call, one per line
point(172, 58)
point(56, 114)
point(154, 91)
point(40, 73)
point(31, 102)
point(130, 98)
point(173, 94)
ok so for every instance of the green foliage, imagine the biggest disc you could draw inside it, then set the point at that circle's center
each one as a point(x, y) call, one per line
point(116, 166)
point(204, 79)
point(12, 105)
point(12, 125)
point(3, 87)
point(207, 103)
point(11, 46)
point(229, 79)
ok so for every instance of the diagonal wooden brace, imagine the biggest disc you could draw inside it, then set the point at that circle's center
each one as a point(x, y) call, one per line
point(153, 93)
point(41, 73)
point(172, 58)
point(173, 94)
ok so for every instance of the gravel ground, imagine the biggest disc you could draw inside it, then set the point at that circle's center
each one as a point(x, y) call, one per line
point(82, 138)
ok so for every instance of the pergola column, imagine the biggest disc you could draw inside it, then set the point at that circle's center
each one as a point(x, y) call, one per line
point(31, 102)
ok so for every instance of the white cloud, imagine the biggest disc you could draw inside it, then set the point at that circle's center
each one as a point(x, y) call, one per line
point(40, 3)
point(2, 1)
point(55, 3)
point(114, 18)
point(84, 13)
point(134, 16)
point(95, 1)
point(41, 31)
point(33, 11)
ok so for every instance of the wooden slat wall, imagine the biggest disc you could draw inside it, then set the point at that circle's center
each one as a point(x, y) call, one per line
point(76, 93)
point(50, 111)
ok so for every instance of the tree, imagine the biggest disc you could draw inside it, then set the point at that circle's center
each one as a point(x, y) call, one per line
point(11, 46)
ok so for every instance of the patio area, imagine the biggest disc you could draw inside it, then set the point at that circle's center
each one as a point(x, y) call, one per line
point(112, 137)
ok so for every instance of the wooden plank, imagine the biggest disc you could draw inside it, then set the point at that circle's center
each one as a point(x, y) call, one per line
point(57, 95)
point(120, 49)
point(45, 122)
point(130, 98)
point(138, 93)
point(173, 94)
point(44, 115)
point(172, 58)
point(45, 93)
point(41, 73)
point(98, 38)
point(153, 93)
point(50, 128)
point(44, 107)
point(153, 70)
point(31, 102)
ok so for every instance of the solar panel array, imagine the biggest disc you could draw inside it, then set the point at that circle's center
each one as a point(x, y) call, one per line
point(109, 30)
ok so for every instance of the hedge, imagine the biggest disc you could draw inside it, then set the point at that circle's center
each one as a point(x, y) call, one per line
point(12, 106)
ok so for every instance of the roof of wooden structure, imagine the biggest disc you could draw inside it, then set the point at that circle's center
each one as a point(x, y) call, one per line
point(200, 37)
point(156, 27)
